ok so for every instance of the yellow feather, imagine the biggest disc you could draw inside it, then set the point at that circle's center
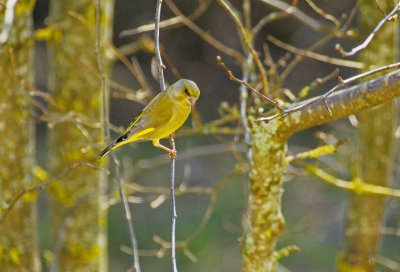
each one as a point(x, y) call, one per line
point(162, 116)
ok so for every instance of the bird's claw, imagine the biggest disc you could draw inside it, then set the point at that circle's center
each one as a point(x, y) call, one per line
point(172, 155)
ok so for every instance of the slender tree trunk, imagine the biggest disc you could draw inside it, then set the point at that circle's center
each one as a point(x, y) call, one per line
point(377, 125)
point(265, 221)
point(75, 86)
point(18, 237)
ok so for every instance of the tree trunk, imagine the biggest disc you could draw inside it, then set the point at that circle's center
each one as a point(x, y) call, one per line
point(18, 233)
point(374, 165)
point(265, 221)
point(75, 86)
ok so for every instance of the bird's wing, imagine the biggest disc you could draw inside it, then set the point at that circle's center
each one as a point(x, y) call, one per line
point(122, 139)
point(154, 116)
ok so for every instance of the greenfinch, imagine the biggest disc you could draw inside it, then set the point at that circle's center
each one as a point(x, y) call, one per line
point(161, 117)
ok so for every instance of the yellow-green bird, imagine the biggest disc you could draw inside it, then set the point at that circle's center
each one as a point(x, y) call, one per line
point(162, 116)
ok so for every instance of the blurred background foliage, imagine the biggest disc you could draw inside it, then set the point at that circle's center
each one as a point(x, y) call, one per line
point(315, 212)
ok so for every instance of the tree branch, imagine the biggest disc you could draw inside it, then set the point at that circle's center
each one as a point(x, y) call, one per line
point(344, 103)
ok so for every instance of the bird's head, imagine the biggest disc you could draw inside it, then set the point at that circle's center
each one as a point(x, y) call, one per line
point(185, 91)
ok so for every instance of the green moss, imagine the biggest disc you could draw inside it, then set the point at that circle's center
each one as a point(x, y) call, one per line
point(15, 255)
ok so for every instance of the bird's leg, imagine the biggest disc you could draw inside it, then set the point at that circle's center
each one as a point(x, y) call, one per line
point(172, 144)
point(171, 152)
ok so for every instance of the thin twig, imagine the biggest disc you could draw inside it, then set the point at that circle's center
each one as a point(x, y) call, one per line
point(213, 192)
point(378, 6)
point(323, 13)
point(174, 214)
point(228, 8)
point(62, 230)
point(285, 73)
point(43, 185)
point(161, 67)
point(323, 97)
point(360, 47)
point(388, 263)
point(132, 68)
point(273, 16)
point(243, 96)
point(169, 22)
point(317, 82)
point(233, 78)
point(204, 35)
point(105, 112)
point(187, 154)
point(357, 185)
point(298, 14)
point(316, 56)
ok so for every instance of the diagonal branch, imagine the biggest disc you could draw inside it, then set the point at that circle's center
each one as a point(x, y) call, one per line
point(169, 22)
point(204, 35)
point(298, 14)
point(105, 118)
point(356, 49)
point(246, 40)
point(233, 78)
point(316, 56)
point(344, 103)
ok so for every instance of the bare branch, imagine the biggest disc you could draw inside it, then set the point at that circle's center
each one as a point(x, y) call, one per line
point(323, 13)
point(273, 16)
point(344, 103)
point(204, 35)
point(105, 117)
point(360, 47)
point(43, 185)
point(356, 185)
point(317, 82)
point(169, 22)
point(299, 58)
point(298, 14)
point(316, 56)
point(233, 78)
point(161, 67)
point(132, 68)
point(246, 40)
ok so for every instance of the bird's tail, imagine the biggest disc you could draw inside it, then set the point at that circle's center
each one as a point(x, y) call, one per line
point(115, 144)
point(104, 152)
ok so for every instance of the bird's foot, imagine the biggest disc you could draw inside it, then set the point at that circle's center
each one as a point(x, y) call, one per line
point(172, 154)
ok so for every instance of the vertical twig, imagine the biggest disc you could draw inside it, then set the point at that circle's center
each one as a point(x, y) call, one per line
point(248, 43)
point(174, 215)
point(161, 68)
point(243, 96)
point(104, 93)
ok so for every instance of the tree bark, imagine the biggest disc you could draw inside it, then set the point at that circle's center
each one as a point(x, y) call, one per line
point(18, 233)
point(76, 200)
point(265, 221)
point(364, 215)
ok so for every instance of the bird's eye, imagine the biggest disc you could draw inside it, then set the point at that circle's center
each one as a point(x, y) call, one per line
point(186, 91)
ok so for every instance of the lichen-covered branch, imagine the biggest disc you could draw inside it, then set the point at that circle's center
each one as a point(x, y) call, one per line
point(71, 52)
point(18, 234)
point(264, 222)
point(344, 103)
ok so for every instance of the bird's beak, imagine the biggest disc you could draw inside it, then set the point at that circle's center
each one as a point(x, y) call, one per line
point(191, 100)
